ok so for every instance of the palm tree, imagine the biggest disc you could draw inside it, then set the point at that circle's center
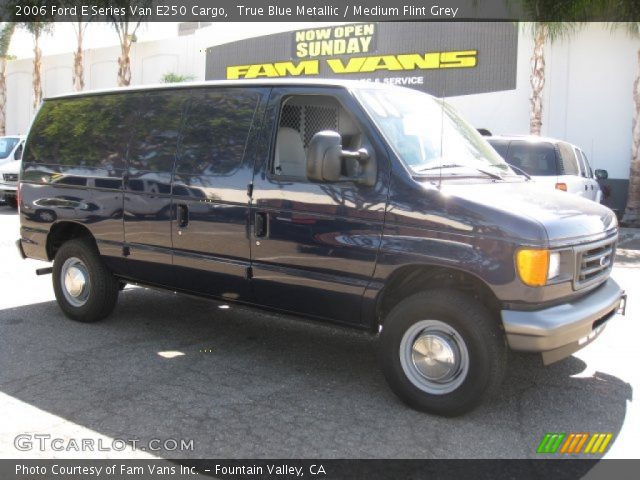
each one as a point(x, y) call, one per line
point(37, 26)
point(78, 56)
point(543, 33)
point(6, 33)
point(79, 27)
point(632, 211)
point(37, 29)
point(126, 26)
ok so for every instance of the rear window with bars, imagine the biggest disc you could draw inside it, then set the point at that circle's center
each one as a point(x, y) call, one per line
point(309, 119)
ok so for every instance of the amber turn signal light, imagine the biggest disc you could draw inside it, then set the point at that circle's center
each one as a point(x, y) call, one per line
point(533, 266)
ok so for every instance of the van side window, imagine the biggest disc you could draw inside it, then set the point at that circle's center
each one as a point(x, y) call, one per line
point(569, 161)
point(216, 131)
point(83, 132)
point(155, 139)
point(301, 117)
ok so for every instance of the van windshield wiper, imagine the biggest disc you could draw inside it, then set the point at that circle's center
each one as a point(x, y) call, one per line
point(525, 174)
point(454, 165)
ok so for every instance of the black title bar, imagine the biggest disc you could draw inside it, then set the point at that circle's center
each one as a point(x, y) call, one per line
point(318, 10)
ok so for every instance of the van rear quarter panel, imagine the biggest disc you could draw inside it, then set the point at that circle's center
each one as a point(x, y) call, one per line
point(73, 169)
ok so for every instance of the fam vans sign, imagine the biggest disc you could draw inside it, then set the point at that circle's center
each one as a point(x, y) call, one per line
point(444, 59)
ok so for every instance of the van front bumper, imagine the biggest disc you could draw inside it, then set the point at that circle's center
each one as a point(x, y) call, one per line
point(559, 331)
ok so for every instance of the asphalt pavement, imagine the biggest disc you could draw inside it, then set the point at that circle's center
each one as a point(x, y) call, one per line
point(231, 382)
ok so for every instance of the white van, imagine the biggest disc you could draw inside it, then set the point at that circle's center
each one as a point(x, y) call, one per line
point(553, 163)
point(10, 161)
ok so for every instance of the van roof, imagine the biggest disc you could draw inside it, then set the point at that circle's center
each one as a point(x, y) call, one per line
point(346, 84)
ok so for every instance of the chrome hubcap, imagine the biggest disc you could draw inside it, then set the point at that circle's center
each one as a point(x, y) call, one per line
point(75, 281)
point(434, 357)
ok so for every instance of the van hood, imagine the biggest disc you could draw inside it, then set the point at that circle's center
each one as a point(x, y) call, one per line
point(565, 217)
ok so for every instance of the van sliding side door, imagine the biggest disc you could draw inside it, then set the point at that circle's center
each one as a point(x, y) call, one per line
point(147, 184)
point(214, 168)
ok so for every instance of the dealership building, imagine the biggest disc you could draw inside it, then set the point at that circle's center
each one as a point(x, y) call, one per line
point(481, 68)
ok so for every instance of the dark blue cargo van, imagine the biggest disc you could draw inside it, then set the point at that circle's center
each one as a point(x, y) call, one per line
point(372, 206)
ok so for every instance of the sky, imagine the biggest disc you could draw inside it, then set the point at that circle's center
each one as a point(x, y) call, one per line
point(63, 39)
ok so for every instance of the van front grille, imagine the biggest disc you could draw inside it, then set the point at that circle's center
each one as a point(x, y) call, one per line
point(10, 177)
point(594, 262)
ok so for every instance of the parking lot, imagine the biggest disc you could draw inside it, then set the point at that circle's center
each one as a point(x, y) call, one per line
point(247, 384)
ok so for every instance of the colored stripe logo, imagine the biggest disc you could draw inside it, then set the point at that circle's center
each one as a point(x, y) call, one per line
point(573, 443)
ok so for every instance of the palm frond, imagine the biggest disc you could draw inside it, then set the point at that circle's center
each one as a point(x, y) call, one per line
point(632, 28)
point(5, 37)
point(555, 30)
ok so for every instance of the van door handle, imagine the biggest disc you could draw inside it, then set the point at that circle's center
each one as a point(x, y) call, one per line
point(182, 216)
point(260, 224)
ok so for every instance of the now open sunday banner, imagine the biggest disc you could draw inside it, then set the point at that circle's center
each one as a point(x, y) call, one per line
point(444, 59)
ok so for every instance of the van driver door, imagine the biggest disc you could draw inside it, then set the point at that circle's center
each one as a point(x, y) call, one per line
point(314, 245)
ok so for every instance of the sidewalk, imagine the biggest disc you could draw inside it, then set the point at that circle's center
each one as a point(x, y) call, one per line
point(628, 250)
point(629, 236)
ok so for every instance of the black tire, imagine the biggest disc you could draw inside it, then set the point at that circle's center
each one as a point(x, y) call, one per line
point(101, 294)
point(12, 202)
point(478, 377)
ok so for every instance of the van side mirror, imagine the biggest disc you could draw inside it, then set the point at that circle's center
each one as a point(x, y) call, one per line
point(601, 174)
point(18, 154)
point(326, 158)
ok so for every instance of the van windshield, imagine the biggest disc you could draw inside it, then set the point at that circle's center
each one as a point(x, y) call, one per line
point(6, 146)
point(427, 134)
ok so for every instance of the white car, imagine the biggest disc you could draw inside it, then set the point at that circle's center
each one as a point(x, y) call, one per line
point(551, 162)
point(11, 148)
point(9, 173)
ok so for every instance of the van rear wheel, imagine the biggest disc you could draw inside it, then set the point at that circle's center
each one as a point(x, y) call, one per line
point(84, 287)
point(442, 352)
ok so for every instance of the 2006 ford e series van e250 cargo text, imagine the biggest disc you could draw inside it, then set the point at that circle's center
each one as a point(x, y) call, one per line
point(373, 206)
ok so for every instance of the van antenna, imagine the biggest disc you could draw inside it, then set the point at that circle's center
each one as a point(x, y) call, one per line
point(441, 135)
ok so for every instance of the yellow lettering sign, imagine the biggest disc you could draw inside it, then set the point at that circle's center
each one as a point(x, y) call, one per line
point(273, 70)
point(401, 62)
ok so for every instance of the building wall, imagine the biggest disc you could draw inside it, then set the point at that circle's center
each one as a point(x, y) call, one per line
point(587, 97)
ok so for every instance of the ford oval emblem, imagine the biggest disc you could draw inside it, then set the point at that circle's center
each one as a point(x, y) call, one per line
point(604, 261)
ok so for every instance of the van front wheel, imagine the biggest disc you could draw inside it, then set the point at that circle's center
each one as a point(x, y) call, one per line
point(442, 352)
point(84, 287)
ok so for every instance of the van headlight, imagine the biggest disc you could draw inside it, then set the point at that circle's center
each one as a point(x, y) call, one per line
point(537, 266)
